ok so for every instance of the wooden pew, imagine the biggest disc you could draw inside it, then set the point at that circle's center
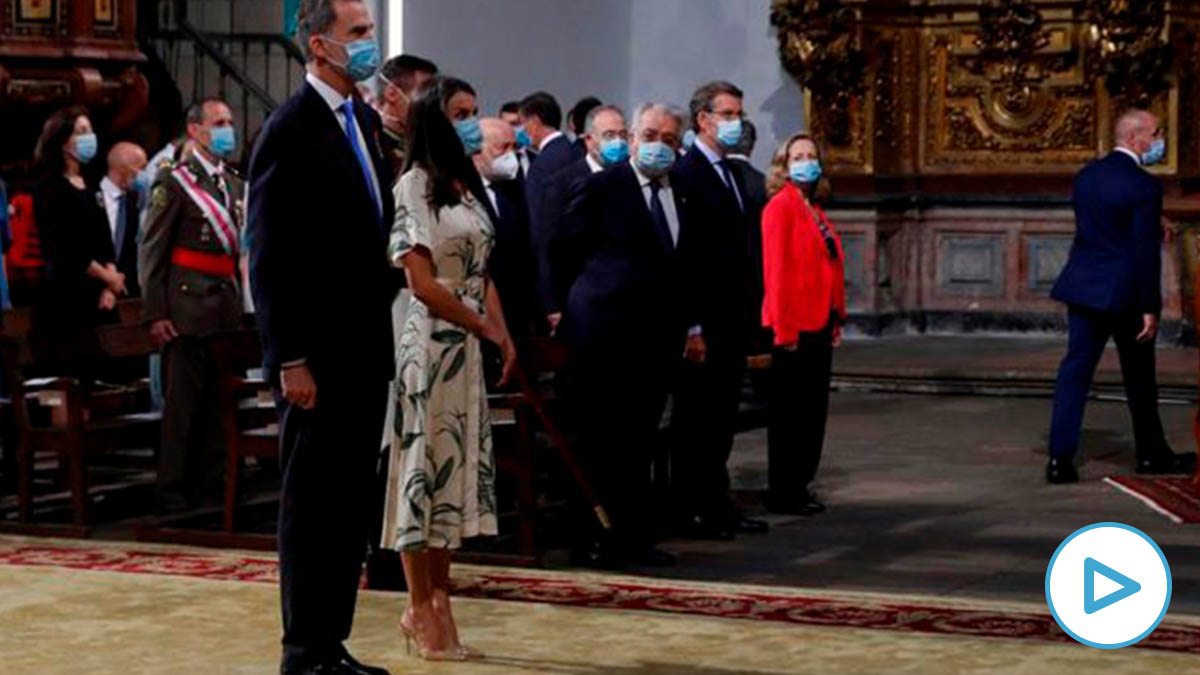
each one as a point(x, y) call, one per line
point(94, 420)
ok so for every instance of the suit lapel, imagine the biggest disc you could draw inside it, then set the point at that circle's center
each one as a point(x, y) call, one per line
point(643, 209)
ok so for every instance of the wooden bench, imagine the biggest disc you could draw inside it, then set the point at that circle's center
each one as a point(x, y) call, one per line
point(92, 420)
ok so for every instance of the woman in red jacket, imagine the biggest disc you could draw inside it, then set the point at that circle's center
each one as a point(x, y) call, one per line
point(805, 306)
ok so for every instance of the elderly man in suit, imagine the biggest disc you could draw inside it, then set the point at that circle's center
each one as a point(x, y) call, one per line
point(123, 194)
point(624, 266)
point(707, 394)
point(188, 260)
point(1112, 287)
point(512, 263)
point(318, 223)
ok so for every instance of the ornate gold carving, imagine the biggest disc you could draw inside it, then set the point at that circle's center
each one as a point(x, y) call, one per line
point(1127, 40)
point(819, 46)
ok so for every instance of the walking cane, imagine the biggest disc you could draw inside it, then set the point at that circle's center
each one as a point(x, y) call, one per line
point(559, 442)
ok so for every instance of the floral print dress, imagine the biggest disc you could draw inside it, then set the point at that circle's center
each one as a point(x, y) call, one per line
point(442, 475)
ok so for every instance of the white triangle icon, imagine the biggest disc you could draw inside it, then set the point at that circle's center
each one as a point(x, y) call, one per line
point(1105, 586)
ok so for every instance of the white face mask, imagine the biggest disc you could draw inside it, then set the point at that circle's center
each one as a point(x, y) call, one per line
point(506, 166)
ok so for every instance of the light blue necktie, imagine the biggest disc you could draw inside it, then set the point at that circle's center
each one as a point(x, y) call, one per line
point(347, 109)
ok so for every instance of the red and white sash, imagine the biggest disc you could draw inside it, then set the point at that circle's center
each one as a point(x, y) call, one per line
point(214, 211)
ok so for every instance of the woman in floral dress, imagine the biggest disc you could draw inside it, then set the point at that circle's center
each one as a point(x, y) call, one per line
point(441, 481)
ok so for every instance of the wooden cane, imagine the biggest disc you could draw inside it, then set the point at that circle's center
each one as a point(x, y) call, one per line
point(560, 444)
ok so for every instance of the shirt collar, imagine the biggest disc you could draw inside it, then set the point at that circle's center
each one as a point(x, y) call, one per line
point(332, 98)
point(736, 155)
point(209, 167)
point(1131, 153)
point(546, 140)
point(595, 166)
point(110, 188)
point(708, 152)
point(644, 180)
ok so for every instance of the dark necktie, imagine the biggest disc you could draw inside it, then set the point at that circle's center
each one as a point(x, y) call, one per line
point(352, 133)
point(122, 217)
point(658, 215)
point(724, 166)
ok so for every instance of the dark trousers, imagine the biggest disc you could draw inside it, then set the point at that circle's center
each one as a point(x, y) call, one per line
point(1089, 331)
point(799, 406)
point(703, 424)
point(329, 457)
point(192, 457)
point(615, 406)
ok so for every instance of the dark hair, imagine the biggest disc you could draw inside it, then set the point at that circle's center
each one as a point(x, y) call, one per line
point(702, 100)
point(195, 112)
point(48, 154)
point(745, 144)
point(315, 17)
point(542, 106)
point(579, 112)
point(510, 107)
point(402, 70)
point(434, 146)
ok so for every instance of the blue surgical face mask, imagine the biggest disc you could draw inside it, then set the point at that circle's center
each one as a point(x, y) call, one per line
point(729, 132)
point(523, 139)
point(362, 58)
point(222, 141)
point(805, 171)
point(614, 151)
point(141, 182)
point(689, 139)
point(655, 158)
point(84, 147)
point(1155, 153)
point(470, 134)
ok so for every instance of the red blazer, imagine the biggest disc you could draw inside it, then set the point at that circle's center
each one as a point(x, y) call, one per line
point(802, 284)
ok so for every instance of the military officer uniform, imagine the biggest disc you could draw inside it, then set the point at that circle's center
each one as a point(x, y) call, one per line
point(189, 255)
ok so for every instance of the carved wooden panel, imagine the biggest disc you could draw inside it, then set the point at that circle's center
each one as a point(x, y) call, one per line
point(970, 264)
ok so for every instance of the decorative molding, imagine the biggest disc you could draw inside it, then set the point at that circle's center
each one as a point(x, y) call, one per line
point(1130, 52)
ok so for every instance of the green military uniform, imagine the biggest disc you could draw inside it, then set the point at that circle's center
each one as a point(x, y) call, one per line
point(189, 256)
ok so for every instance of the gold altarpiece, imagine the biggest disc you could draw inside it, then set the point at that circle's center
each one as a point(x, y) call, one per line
point(952, 130)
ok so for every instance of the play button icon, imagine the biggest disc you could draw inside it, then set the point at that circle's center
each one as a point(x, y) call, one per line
point(1108, 585)
point(1092, 568)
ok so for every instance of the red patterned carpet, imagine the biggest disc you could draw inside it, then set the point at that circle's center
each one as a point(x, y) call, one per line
point(621, 593)
point(1173, 496)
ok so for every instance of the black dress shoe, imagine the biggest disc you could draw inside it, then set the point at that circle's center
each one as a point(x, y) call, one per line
point(745, 525)
point(1168, 462)
point(708, 528)
point(1061, 471)
point(347, 665)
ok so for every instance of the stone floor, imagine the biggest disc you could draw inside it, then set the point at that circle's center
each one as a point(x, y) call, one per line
point(944, 495)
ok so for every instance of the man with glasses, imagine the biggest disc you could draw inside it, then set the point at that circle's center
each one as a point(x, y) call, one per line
point(1112, 287)
point(709, 383)
point(607, 142)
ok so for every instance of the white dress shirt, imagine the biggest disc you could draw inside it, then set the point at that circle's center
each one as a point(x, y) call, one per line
point(1131, 153)
point(665, 195)
point(713, 158)
point(335, 101)
point(546, 140)
point(112, 195)
point(595, 166)
point(491, 193)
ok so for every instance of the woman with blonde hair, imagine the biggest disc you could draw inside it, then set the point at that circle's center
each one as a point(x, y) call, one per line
point(804, 304)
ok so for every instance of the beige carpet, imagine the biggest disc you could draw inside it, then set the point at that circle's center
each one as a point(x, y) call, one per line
point(59, 620)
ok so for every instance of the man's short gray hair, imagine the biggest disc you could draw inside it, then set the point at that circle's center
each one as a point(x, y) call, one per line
point(1131, 123)
point(590, 120)
point(664, 108)
point(315, 17)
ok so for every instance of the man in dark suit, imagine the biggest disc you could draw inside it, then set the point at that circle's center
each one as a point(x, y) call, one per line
point(511, 264)
point(623, 265)
point(123, 204)
point(607, 142)
point(758, 338)
point(707, 394)
point(319, 215)
point(541, 118)
point(189, 258)
point(1112, 287)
